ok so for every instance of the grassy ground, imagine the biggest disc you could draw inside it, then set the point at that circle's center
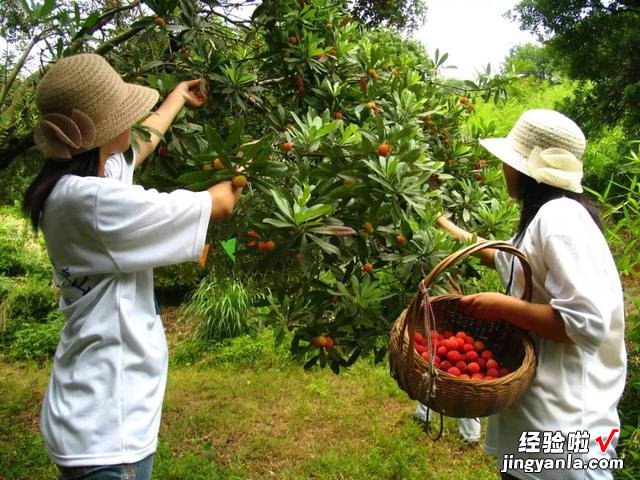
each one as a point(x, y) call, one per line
point(245, 412)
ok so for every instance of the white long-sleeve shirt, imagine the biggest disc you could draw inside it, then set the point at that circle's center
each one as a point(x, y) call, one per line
point(576, 387)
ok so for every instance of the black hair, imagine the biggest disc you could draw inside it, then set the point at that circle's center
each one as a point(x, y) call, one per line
point(84, 164)
point(533, 195)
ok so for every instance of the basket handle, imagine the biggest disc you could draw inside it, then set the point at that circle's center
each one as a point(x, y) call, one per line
point(471, 249)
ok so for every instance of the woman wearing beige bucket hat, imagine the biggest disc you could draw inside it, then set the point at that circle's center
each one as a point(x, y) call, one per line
point(101, 412)
point(566, 424)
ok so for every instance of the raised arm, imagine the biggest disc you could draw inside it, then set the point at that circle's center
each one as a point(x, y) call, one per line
point(187, 92)
point(486, 255)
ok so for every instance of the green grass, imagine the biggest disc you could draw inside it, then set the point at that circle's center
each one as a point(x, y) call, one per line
point(257, 421)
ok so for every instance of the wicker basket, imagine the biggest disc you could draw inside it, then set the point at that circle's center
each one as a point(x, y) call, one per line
point(445, 393)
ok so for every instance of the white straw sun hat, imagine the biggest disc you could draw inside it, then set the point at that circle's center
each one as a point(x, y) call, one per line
point(84, 103)
point(546, 146)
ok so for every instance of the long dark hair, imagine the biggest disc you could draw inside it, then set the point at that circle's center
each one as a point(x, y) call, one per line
point(83, 165)
point(533, 195)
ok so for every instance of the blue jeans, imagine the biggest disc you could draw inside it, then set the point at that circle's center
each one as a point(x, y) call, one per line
point(126, 471)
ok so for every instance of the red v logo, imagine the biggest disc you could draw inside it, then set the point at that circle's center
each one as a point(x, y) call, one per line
point(605, 444)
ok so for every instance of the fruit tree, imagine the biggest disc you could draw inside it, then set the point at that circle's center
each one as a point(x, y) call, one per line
point(350, 141)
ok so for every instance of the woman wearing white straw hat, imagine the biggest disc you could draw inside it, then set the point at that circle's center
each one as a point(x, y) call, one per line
point(101, 412)
point(566, 424)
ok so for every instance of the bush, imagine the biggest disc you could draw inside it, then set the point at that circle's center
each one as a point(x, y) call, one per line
point(21, 252)
point(629, 407)
point(37, 341)
point(257, 349)
point(223, 308)
point(24, 301)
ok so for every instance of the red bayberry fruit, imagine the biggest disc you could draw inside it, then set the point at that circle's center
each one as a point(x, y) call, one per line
point(473, 367)
point(453, 356)
point(472, 356)
point(384, 149)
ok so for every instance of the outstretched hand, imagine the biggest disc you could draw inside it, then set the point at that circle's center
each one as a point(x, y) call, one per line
point(193, 92)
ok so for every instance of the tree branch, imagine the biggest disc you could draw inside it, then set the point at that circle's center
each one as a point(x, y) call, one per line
point(118, 39)
point(101, 22)
point(18, 66)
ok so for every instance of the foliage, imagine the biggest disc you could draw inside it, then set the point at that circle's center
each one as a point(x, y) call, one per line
point(21, 252)
point(309, 145)
point(622, 215)
point(535, 61)
point(29, 320)
point(352, 143)
point(224, 308)
point(395, 13)
point(37, 341)
point(249, 350)
point(629, 407)
point(598, 42)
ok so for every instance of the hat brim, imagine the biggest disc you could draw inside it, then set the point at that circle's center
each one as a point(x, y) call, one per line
point(502, 149)
point(139, 102)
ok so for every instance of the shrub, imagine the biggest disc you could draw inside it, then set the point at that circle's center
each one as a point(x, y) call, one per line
point(223, 308)
point(24, 301)
point(629, 407)
point(257, 349)
point(37, 341)
point(21, 252)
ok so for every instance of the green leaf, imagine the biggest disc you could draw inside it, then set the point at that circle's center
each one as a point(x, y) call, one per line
point(282, 204)
point(215, 140)
point(313, 212)
point(46, 8)
point(326, 246)
point(278, 223)
point(229, 247)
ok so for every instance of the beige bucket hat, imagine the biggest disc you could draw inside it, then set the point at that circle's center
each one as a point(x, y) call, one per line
point(545, 145)
point(84, 103)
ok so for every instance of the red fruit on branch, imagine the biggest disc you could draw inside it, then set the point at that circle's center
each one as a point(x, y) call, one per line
point(287, 146)
point(401, 240)
point(328, 342)
point(271, 245)
point(337, 116)
point(163, 151)
point(367, 267)
point(217, 164)
point(368, 227)
point(319, 341)
point(253, 234)
point(384, 149)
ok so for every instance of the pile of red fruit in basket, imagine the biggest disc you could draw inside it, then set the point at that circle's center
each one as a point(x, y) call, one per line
point(460, 355)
